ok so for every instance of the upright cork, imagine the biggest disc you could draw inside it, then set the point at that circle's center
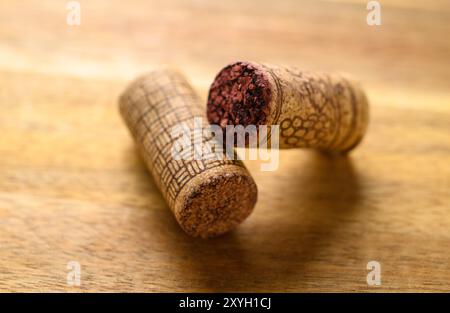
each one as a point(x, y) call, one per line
point(208, 196)
point(328, 112)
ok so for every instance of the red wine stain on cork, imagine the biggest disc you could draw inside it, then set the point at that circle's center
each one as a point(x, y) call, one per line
point(239, 95)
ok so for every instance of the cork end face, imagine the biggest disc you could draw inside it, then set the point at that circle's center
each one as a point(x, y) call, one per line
point(239, 95)
point(216, 205)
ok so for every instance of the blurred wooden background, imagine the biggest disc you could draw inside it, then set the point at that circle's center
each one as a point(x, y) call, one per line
point(72, 187)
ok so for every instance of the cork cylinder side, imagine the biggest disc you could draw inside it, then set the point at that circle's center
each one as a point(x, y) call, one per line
point(208, 196)
point(328, 112)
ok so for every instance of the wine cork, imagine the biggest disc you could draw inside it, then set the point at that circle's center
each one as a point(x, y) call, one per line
point(328, 112)
point(208, 196)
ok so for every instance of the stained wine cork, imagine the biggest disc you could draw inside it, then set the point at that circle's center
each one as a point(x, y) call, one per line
point(208, 196)
point(328, 112)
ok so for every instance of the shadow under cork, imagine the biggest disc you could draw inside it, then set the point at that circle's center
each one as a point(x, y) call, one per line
point(315, 198)
point(320, 196)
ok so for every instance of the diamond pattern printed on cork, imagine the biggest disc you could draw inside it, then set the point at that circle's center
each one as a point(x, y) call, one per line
point(209, 196)
point(328, 112)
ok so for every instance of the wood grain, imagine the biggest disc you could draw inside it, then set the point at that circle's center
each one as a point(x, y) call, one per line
point(72, 187)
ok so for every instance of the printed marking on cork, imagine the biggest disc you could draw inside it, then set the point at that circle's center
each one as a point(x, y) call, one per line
point(328, 112)
point(208, 196)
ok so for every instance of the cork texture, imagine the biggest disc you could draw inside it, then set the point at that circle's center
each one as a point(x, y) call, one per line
point(208, 197)
point(328, 112)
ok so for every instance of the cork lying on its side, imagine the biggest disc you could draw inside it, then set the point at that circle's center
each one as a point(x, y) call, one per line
point(328, 112)
point(209, 196)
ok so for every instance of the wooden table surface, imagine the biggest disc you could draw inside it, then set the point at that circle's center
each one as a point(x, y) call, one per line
point(72, 187)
